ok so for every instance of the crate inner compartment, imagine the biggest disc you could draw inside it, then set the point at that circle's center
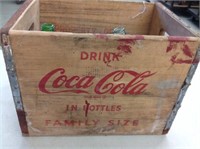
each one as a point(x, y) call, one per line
point(97, 17)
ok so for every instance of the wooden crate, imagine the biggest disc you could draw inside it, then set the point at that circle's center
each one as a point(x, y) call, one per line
point(84, 80)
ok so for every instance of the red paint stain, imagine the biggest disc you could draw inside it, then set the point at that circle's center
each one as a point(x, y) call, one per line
point(176, 60)
point(101, 36)
point(181, 61)
point(139, 37)
point(125, 48)
point(187, 51)
point(127, 41)
point(171, 46)
point(107, 63)
point(177, 39)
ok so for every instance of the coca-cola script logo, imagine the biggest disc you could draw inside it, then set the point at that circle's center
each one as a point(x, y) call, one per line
point(57, 81)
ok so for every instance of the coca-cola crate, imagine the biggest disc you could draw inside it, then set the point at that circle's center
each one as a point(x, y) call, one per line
point(84, 80)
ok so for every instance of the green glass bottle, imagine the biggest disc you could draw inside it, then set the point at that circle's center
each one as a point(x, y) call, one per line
point(119, 30)
point(48, 27)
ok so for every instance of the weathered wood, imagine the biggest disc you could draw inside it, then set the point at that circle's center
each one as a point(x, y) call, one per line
point(4, 42)
point(29, 19)
point(47, 110)
point(96, 16)
point(171, 23)
point(77, 81)
point(156, 26)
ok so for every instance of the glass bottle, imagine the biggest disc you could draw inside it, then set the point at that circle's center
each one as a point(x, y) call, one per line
point(48, 27)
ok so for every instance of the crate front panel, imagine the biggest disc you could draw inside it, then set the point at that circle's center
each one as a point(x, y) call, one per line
point(75, 84)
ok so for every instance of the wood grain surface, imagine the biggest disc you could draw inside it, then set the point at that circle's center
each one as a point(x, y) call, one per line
point(77, 81)
point(96, 16)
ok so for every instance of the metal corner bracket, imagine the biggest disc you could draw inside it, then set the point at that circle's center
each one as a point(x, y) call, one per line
point(10, 67)
point(182, 92)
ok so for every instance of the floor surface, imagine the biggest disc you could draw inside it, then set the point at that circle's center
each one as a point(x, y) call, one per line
point(184, 134)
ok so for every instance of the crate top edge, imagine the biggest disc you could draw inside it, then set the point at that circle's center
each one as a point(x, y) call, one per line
point(105, 36)
point(10, 30)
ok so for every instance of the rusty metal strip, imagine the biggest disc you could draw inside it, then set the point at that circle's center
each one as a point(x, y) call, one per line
point(7, 52)
point(12, 74)
point(10, 67)
point(182, 92)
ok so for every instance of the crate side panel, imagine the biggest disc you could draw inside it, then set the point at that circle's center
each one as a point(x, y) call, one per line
point(93, 84)
point(29, 20)
point(171, 23)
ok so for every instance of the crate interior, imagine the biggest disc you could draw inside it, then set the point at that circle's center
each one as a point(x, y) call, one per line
point(85, 16)
point(97, 16)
